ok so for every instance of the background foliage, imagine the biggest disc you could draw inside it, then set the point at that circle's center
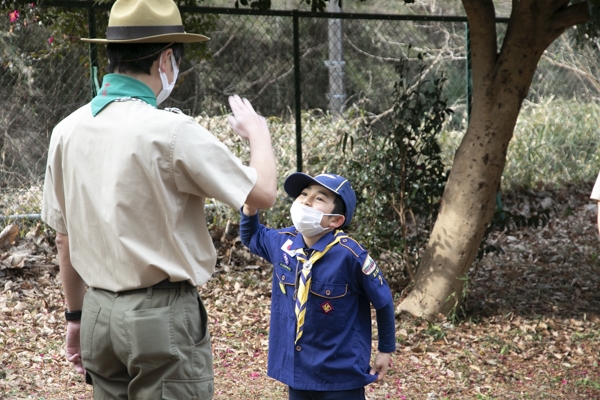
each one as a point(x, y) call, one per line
point(45, 75)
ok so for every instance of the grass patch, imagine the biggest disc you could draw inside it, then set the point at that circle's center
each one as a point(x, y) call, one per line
point(587, 382)
point(555, 140)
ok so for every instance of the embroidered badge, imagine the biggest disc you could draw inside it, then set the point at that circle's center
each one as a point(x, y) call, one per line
point(369, 266)
point(375, 273)
point(282, 265)
point(327, 307)
point(286, 259)
point(286, 247)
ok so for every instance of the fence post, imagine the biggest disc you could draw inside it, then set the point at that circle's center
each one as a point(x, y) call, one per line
point(335, 64)
point(297, 91)
point(469, 81)
point(93, 51)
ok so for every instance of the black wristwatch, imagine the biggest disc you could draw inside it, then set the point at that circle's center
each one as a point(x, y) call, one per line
point(72, 315)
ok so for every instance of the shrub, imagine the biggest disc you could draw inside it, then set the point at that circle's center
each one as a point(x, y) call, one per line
point(400, 173)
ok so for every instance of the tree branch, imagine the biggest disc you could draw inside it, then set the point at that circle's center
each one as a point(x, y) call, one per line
point(481, 16)
point(569, 16)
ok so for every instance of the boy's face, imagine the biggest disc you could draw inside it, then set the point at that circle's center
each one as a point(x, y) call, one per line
point(319, 198)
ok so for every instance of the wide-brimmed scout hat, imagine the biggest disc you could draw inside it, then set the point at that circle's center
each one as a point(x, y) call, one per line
point(146, 21)
point(298, 181)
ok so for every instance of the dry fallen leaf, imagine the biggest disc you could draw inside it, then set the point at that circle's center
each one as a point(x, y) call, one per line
point(500, 349)
point(9, 235)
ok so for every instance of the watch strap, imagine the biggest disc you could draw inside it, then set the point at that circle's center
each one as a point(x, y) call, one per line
point(72, 315)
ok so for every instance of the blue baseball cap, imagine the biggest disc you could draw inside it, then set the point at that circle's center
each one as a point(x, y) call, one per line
point(298, 181)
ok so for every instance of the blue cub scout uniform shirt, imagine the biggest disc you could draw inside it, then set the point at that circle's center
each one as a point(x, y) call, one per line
point(335, 348)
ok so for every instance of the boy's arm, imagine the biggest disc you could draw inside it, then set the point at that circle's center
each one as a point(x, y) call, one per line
point(249, 223)
point(249, 210)
point(386, 326)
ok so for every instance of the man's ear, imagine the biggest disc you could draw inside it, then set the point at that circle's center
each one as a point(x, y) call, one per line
point(337, 221)
point(166, 60)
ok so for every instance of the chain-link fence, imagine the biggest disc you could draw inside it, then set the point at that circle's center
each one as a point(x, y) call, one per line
point(283, 61)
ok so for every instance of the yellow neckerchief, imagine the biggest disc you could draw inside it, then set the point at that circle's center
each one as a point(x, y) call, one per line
point(305, 280)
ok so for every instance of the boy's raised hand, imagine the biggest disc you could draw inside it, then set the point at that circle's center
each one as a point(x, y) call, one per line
point(244, 120)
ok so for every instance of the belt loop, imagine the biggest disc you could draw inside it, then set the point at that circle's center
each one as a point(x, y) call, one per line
point(182, 287)
point(149, 293)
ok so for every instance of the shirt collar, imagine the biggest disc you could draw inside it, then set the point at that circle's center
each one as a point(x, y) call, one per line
point(326, 239)
point(298, 242)
point(117, 86)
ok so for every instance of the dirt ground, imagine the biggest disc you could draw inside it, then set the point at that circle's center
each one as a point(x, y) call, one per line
point(529, 327)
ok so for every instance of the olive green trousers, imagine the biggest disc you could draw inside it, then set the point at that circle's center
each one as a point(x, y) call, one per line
point(147, 344)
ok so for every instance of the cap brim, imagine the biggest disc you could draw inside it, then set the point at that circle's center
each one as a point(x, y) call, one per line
point(297, 182)
point(165, 38)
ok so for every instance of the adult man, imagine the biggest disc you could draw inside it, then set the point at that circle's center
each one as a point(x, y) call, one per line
point(125, 190)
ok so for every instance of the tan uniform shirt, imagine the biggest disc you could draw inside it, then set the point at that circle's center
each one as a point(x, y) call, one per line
point(129, 187)
point(596, 190)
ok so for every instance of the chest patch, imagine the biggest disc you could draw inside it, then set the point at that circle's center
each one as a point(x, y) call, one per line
point(327, 307)
point(286, 248)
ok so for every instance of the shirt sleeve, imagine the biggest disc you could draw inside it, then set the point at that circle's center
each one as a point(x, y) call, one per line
point(53, 201)
point(255, 236)
point(204, 166)
point(386, 326)
point(596, 190)
point(374, 284)
point(249, 225)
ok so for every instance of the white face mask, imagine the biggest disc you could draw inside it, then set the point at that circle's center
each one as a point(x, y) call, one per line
point(167, 87)
point(308, 220)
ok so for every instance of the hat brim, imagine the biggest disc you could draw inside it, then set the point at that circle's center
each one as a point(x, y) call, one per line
point(297, 182)
point(164, 38)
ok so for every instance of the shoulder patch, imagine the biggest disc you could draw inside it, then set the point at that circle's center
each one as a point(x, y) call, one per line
point(369, 266)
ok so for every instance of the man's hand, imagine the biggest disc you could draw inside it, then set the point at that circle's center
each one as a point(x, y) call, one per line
point(74, 347)
point(251, 126)
point(382, 364)
point(245, 121)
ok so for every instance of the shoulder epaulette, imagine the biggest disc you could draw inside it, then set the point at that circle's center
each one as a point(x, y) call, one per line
point(173, 110)
point(350, 244)
point(288, 233)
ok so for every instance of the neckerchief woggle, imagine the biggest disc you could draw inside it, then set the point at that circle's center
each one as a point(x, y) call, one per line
point(305, 281)
point(117, 87)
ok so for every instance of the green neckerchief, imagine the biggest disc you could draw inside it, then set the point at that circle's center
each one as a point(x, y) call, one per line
point(117, 86)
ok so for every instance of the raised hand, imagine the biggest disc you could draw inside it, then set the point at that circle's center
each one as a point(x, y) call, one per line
point(244, 120)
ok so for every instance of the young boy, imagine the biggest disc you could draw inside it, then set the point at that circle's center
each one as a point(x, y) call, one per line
point(323, 285)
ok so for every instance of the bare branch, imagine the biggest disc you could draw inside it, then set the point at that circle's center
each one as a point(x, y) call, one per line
point(585, 75)
point(567, 17)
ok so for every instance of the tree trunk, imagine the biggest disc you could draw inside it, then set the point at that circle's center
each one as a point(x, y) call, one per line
point(500, 83)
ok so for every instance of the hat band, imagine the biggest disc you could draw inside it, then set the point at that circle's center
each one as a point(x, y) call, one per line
point(138, 32)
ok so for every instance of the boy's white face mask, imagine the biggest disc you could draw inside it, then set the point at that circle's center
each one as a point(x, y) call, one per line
point(308, 220)
point(167, 87)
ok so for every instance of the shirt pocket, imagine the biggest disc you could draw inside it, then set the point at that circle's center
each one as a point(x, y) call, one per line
point(328, 306)
point(283, 292)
